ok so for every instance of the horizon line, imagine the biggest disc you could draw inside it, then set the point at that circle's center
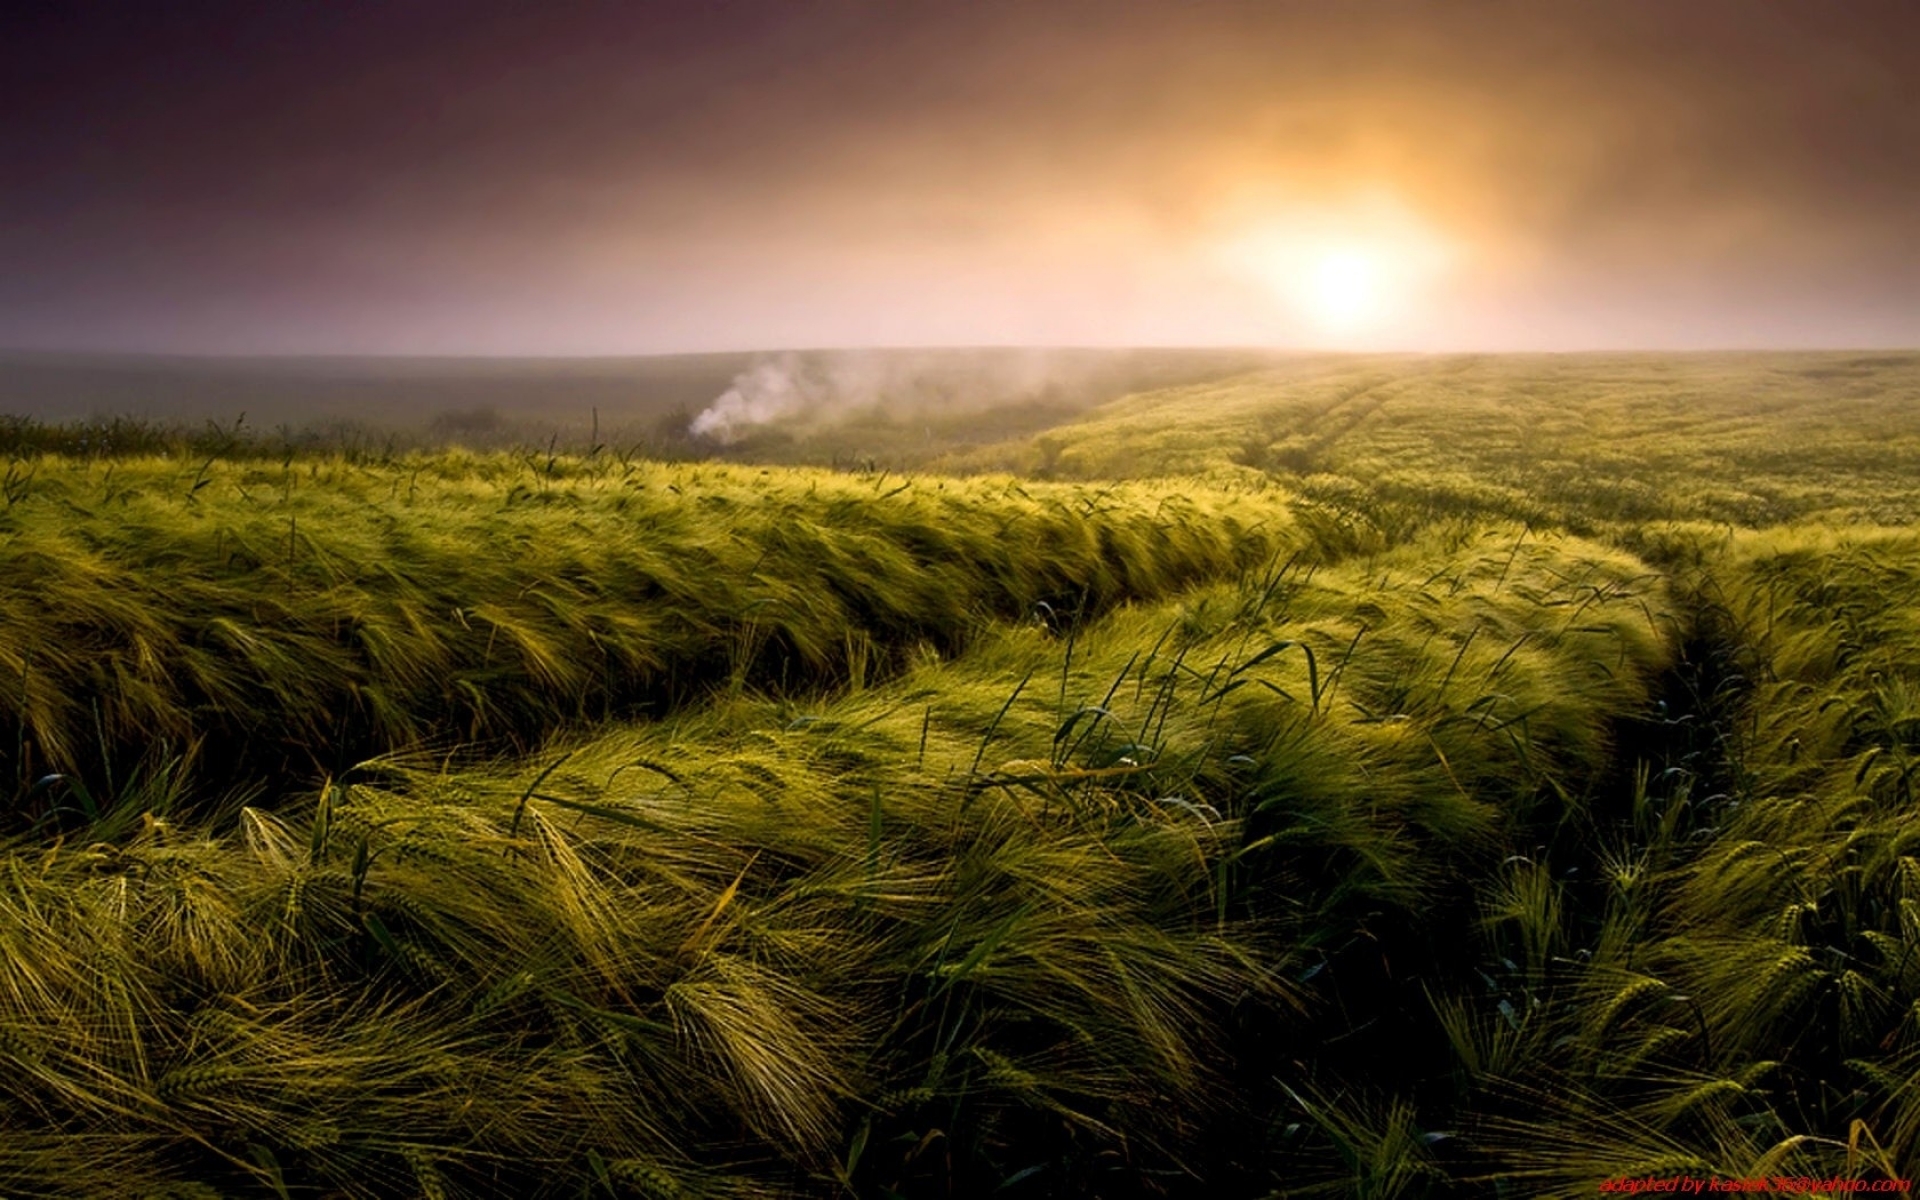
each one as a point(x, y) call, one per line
point(22, 352)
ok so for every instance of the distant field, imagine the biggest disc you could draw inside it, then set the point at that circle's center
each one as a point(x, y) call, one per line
point(1388, 777)
point(831, 404)
point(1751, 439)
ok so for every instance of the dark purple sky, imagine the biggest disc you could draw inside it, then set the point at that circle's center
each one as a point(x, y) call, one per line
point(551, 178)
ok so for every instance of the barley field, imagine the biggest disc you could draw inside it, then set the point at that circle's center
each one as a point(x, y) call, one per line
point(1377, 777)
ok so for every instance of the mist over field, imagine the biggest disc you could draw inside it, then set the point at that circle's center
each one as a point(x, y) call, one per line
point(791, 388)
point(686, 404)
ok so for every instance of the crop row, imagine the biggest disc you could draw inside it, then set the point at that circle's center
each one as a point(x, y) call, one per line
point(1721, 978)
point(1082, 908)
point(303, 614)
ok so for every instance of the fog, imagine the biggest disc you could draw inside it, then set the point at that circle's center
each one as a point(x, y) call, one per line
point(512, 179)
point(692, 404)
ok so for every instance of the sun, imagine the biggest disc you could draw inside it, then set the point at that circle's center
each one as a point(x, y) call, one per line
point(1356, 275)
point(1344, 286)
point(1344, 289)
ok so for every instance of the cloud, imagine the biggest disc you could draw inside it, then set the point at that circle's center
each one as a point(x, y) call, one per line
point(663, 177)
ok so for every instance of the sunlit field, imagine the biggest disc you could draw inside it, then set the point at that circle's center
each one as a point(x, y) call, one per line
point(1362, 776)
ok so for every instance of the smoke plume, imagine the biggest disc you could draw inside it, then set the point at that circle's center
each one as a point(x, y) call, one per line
point(762, 393)
point(818, 388)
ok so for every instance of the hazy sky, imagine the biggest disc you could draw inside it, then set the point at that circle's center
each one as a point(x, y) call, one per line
point(459, 176)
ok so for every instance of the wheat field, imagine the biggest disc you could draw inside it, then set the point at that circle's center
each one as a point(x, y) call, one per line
point(1386, 777)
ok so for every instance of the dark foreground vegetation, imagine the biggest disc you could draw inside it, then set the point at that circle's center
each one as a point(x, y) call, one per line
point(1363, 810)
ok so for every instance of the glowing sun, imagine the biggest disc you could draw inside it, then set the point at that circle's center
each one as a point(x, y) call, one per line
point(1358, 274)
point(1344, 289)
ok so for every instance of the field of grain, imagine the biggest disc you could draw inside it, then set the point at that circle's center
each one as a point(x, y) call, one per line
point(1379, 777)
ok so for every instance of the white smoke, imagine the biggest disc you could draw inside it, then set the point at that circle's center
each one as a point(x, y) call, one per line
point(764, 392)
point(811, 388)
point(816, 386)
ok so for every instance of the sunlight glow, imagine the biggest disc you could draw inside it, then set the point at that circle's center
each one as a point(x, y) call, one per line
point(1344, 288)
point(1356, 276)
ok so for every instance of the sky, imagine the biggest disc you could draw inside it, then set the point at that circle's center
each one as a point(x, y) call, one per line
point(656, 176)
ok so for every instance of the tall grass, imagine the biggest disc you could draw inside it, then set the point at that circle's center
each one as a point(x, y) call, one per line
point(987, 924)
point(1402, 806)
point(296, 616)
point(1725, 981)
point(1584, 442)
